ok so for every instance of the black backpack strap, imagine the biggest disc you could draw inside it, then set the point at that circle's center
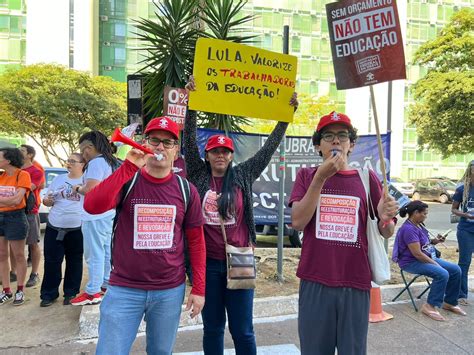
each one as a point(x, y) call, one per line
point(185, 191)
point(123, 195)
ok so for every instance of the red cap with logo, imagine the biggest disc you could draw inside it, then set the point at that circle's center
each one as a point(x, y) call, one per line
point(163, 124)
point(334, 117)
point(218, 141)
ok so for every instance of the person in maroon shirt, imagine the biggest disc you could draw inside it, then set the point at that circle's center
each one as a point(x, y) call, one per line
point(329, 203)
point(148, 273)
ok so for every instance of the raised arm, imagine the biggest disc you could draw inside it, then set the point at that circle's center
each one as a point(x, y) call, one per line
point(254, 166)
point(194, 163)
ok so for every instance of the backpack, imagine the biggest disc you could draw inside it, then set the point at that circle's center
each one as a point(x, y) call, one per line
point(30, 199)
point(183, 186)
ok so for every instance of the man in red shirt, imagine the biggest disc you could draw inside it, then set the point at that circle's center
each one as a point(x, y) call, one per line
point(37, 183)
point(148, 273)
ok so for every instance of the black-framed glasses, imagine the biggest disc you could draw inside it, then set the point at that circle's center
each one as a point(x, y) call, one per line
point(329, 136)
point(167, 143)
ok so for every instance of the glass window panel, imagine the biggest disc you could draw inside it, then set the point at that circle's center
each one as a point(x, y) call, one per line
point(15, 4)
point(4, 48)
point(325, 48)
point(315, 70)
point(306, 23)
point(424, 11)
point(295, 44)
point(277, 43)
point(120, 55)
point(277, 21)
point(267, 18)
point(324, 25)
point(14, 49)
point(267, 42)
point(15, 24)
point(120, 30)
point(315, 24)
point(306, 45)
point(297, 23)
point(313, 89)
point(4, 23)
point(305, 68)
point(424, 31)
point(258, 21)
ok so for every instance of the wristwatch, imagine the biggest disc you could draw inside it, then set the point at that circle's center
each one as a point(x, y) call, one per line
point(77, 189)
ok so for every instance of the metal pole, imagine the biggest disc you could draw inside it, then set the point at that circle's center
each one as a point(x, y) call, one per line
point(281, 182)
point(389, 129)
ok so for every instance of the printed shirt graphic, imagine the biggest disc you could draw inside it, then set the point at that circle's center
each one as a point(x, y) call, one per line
point(210, 212)
point(153, 226)
point(9, 183)
point(334, 251)
point(148, 246)
point(236, 230)
point(68, 205)
point(337, 218)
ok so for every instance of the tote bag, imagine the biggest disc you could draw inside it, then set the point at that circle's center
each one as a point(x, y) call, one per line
point(378, 259)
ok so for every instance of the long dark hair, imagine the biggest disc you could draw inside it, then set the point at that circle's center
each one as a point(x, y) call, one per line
point(412, 207)
point(102, 145)
point(226, 202)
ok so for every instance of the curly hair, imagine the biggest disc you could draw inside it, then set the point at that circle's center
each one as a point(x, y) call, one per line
point(317, 136)
point(14, 156)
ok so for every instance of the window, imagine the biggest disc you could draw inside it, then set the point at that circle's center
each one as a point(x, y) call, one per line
point(315, 24)
point(120, 56)
point(4, 23)
point(120, 30)
point(15, 24)
point(295, 44)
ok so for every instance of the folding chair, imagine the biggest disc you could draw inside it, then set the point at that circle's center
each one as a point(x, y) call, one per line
point(407, 288)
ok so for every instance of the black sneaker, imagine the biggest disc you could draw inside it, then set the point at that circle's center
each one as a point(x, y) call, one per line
point(19, 298)
point(5, 297)
point(12, 277)
point(33, 280)
point(67, 300)
point(46, 303)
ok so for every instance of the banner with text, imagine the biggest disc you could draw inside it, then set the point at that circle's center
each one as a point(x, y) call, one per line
point(366, 42)
point(175, 103)
point(240, 80)
point(299, 153)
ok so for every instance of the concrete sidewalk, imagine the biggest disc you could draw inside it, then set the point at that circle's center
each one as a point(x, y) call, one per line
point(59, 329)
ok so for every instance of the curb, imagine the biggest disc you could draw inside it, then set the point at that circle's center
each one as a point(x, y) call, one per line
point(262, 307)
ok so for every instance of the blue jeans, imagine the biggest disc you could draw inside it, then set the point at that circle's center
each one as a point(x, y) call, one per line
point(466, 248)
point(122, 310)
point(97, 236)
point(239, 306)
point(446, 280)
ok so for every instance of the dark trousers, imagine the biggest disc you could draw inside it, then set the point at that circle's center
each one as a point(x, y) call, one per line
point(332, 317)
point(239, 307)
point(54, 252)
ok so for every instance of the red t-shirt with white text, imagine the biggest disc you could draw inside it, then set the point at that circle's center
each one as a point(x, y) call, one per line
point(334, 251)
point(148, 248)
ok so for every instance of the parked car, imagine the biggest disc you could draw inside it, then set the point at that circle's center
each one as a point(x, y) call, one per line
point(406, 188)
point(433, 189)
point(295, 237)
point(50, 174)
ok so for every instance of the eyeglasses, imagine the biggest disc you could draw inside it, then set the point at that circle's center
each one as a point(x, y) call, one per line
point(72, 161)
point(329, 136)
point(167, 143)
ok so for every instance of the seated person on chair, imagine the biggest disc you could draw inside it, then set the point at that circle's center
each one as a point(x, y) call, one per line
point(415, 253)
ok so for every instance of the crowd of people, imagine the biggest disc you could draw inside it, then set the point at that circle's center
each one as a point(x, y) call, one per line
point(134, 221)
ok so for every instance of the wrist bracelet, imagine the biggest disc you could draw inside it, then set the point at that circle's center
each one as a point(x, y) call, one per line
point(386, 223)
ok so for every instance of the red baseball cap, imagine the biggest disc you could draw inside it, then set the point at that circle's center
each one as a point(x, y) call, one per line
point(333, 117)
point(218, 141)
point(163, 124)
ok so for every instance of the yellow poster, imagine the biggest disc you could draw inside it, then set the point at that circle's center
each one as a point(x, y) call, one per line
point(240, 80)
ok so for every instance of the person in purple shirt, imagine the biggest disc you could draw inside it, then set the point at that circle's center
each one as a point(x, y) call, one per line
point(415, 253)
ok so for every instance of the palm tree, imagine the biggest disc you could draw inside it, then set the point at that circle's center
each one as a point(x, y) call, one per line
point(170, 42)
